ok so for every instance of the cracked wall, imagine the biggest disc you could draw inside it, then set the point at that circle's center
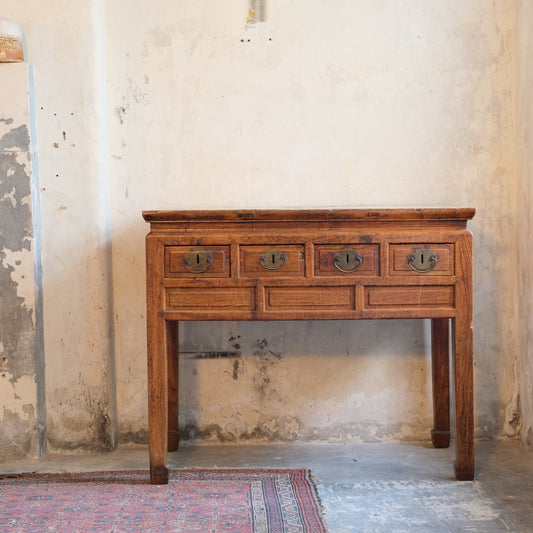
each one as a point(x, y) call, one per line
point(19, 415)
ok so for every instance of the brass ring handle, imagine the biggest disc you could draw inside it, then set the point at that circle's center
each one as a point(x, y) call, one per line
point(422, 262)
point(347, 260)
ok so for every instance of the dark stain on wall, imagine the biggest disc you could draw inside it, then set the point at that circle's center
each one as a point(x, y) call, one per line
point(236, 369)
point(286, 429)
point(102, 427)
point(213, 354)
point(94, 431)
point(136, 437)
point(529, 438)
point(264, 379)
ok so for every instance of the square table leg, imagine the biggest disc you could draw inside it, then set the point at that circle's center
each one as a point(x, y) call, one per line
point(463, 363)
point(173, 376)
point(463, 370)
point(440, 370)
point(159, 333)
point(158, 401)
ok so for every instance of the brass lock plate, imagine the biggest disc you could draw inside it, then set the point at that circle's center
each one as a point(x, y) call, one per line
point(413, 259)
point(347, 260)
point(198, 261)
point(273, 259)
point(184, 261)
point(270, 261)
point(422, 260)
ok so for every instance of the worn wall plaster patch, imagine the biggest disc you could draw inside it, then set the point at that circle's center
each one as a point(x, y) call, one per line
point(17, 139)
point(14, 397)
point(18, 418)
point(17, 331)
point(16, 436)
point(18, 388)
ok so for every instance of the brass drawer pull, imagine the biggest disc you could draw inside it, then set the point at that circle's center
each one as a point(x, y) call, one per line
point(273, 259)
point(198, 261)
point(347, 260)
point(422, 260)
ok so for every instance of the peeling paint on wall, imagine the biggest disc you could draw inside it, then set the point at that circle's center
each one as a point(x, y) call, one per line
point(18, 390)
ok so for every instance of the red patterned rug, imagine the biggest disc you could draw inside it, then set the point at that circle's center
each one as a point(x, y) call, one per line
point(194, 501)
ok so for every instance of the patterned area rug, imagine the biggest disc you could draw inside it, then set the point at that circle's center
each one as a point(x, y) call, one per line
point(194, 501)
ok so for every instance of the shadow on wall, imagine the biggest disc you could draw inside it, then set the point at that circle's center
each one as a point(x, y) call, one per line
point(305, 380)
point(496, 380)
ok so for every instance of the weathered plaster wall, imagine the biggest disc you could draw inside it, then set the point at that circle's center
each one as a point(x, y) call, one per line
point(184, 105)
point(19, 406)
point(65, 44)
point(363, 103)
point(525, 211)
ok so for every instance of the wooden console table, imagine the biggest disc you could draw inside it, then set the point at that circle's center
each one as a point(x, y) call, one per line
point(311, 264)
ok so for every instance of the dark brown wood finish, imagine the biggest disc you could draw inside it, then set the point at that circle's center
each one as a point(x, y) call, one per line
point(296, 265)
point(172, 380)
point(440, 366)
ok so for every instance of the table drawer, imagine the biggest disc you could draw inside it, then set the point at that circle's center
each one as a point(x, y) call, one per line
point(272, 261)
point(309, 298)
point(421, 259)
point(343, 259)
point(204, 299)
point(409, 297)
point(206, 262)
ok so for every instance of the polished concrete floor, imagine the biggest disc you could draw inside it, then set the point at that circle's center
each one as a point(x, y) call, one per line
point(366, 487)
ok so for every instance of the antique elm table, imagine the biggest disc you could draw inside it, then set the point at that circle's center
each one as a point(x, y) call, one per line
point(312, 264)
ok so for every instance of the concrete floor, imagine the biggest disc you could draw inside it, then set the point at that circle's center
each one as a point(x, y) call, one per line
point(366, 487)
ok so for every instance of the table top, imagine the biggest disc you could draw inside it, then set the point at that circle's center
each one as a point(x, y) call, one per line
point(312, 215)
